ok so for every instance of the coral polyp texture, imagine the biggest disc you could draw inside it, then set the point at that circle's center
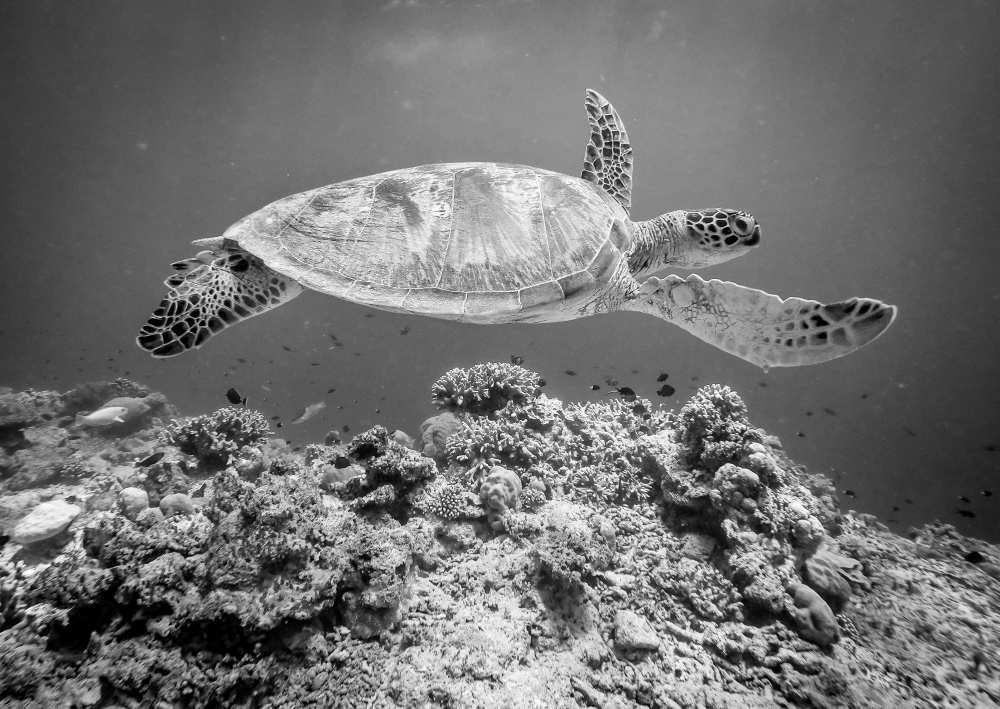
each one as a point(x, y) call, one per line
point(214, 437)
point(485, 388)
point(524, 552)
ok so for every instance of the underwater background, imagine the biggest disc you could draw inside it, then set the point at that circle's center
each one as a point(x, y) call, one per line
point(861, 135)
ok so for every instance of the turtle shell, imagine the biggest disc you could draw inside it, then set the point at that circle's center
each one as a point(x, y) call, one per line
point(468, 241)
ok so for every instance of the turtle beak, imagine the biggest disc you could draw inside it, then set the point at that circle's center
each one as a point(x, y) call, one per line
point(754, 238)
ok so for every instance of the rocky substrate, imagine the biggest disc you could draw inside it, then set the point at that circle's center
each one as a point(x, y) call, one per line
point(520, 552)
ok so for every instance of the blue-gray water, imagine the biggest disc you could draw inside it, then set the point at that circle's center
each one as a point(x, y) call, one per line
point(862, 135)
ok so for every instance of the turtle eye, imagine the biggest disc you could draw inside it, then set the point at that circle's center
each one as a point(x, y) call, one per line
point(742, 223)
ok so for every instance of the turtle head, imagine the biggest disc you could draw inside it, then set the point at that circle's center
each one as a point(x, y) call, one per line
point(717, 235)
point(691, 239)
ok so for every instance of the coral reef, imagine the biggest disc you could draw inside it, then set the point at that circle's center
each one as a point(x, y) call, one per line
point(215, 437)
point(529, 553)
point(500, 492)
point(485, 388)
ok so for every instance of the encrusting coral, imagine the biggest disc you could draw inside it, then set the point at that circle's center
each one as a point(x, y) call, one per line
point(530, 553)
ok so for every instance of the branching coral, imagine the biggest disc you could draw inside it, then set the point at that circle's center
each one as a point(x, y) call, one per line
point(485, 388)
point(266, 562)
point(505, 440)
point(447, 501)
point(387, 463)
point(589, 447)
point(214, 437)
point(713, 427)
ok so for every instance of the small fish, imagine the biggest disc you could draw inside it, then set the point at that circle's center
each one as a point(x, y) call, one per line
point(991, 448)
point(331, 390)
point(762, 384)
point(809, 413)
point(103, 417)
point(908, 501)
point(345, 428)
point(151, 459)
point(895, 508)
point(986, 493)
point(850, 493)
point(666, 390)
point(963, 498)
point(611, 381)
point(800, 434)
point(309, 411)
point(966, 513)
point(517, 359)
point(828, 410)
point(663, 377)
point(241, 360)
point(594, 387)
point(542, 382)
point(405, 330)
point(286, 348)
point(235, 398)
point(626, 393)
point(909, 431)
point(639, 409)
point(570, 372)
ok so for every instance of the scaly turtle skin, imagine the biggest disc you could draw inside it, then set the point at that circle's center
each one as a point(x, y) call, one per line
point(495, 243)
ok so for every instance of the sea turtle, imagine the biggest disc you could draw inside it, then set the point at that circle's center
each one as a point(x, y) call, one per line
point(498, 243)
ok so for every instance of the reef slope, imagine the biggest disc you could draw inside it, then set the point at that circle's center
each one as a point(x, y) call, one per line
point(519, 552)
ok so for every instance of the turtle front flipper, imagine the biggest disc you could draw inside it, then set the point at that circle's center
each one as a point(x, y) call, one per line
point(608, 162)
point(209, 293)
point(760, 327)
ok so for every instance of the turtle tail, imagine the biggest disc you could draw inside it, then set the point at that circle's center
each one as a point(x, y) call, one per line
point(207, 294)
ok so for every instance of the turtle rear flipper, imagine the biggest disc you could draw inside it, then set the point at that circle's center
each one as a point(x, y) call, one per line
point(208, 294)
point(760, 327)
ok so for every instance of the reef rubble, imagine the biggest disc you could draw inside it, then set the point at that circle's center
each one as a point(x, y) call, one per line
point(520, 552)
